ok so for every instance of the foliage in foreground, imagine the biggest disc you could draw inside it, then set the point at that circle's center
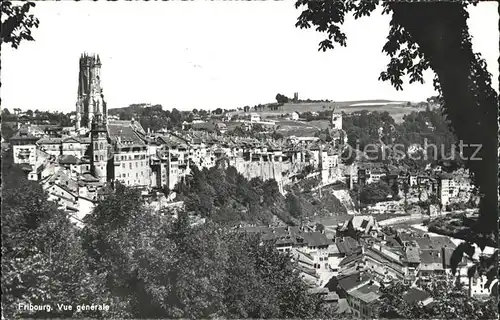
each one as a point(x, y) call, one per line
point(449, 302)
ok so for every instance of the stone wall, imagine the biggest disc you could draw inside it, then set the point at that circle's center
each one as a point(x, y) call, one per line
point(345, 199)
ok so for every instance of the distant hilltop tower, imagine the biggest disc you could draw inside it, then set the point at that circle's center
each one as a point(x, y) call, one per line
point(296, 97)
point(90, 101)
point(336, 119)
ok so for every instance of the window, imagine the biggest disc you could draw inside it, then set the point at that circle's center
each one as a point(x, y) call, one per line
point(96, 146)
point(130, 165)
point(102, 146)
point(123, 165)
point(96, 158)
point(137, 174)
point(136, 165)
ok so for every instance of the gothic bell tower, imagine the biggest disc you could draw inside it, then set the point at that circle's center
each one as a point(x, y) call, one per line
point(99, 147)
point(90, 100)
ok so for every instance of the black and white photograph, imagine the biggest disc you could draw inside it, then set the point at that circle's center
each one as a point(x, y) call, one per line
point(295, 159)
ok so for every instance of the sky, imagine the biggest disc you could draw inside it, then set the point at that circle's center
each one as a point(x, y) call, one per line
point(207, 55)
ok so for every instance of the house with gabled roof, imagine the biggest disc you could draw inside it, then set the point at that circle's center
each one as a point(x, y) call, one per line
point(36, 173)
point(63, 196)
point(384, 264)
point(23, 144)
point(72, 146)
point(50, 145)
point(360, 225)
point(129, 163)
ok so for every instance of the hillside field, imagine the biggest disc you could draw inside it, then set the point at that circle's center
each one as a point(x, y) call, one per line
point(396, 109)
point(302, 128)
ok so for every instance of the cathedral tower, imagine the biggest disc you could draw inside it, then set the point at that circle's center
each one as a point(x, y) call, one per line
point(90, 99)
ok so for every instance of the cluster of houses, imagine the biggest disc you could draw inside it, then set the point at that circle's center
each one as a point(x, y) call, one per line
point(349, 266)
point(76, 169)
point(159, 161)
point(415, 185)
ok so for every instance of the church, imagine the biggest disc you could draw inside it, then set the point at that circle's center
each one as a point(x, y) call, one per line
point(117, 151)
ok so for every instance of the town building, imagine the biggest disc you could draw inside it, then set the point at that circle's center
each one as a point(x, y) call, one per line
point(254, 117)
point(294, 116)
point(24, 147)
point(454, 188)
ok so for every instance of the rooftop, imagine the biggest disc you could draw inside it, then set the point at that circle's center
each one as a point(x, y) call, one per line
point(347, 282)
point(124, 134)
point(347, 244)
point(68, 159)
point(367, 293)
point(412, 254)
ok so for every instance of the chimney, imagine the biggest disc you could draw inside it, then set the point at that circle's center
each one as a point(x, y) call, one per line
point(360, 276)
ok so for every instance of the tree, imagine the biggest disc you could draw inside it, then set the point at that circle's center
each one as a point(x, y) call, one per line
point(375, 192)
point(320, 227)
point(443, 44)
point(449, 301)
point(280, 98)
point(294, 205)
point(277, 135)
point(42, 258)
point(17, 23)
point(7, 130)
point(176, 117)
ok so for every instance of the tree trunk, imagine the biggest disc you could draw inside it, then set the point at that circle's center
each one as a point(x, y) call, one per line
point(440, 30)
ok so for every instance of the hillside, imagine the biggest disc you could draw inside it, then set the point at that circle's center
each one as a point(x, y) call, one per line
point(225, 196)
point(132, 109)
point(397, 109)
